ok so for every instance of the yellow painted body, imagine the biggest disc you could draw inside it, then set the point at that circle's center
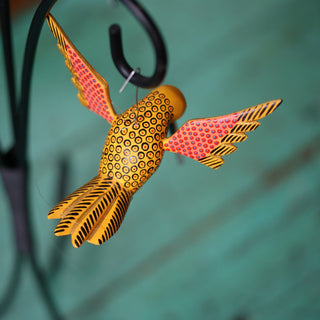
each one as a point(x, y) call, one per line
point(134, 145)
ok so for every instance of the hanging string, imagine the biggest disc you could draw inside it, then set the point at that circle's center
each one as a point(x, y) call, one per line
point(132, 73)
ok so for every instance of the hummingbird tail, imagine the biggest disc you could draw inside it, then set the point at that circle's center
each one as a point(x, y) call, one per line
point(93, 212)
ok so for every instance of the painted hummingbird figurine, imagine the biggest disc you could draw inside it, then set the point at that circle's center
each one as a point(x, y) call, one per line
point(135, 146)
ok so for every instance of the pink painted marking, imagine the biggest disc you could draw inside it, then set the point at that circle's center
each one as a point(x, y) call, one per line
point(92, 89)
point(201, 136)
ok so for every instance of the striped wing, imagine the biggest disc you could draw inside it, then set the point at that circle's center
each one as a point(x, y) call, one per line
point(93, 89)
point(207, 140)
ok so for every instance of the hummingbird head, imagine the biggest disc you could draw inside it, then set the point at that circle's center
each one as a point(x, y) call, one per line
point(177, 100)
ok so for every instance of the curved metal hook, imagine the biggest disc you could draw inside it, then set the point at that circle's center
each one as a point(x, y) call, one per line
point(157, 41)
point(117, 55)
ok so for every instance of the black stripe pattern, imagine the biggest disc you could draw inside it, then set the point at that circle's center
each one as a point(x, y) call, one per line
point(61, 38)
point(92, 213)
point(89, 92)
point(246, 122)
point(56, 32)
point(223, 149)
point(258, 112)
point(212, 161)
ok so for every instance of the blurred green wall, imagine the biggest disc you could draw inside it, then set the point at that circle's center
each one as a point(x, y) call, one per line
point(241, 242)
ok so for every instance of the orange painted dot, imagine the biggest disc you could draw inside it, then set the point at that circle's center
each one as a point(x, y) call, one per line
point(141, 164)
point(135, 148)
point(132, 135)
point(124, 161)
point(133, 159)
point(150, 154)
point(138, 140)
point(118, 175)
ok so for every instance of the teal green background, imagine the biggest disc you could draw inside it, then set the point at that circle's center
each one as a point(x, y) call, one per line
point(239, 243)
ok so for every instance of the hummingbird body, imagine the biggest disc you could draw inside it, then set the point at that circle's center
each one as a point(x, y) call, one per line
point(135, 146)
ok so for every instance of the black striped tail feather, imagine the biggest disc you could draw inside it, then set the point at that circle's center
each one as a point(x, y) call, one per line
point(93, 212)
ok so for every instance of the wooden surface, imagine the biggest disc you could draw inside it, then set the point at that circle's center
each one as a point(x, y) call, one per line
point(241, 242)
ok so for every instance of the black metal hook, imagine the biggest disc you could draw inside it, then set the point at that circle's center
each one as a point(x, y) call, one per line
point(157, 41)
point(14, 168)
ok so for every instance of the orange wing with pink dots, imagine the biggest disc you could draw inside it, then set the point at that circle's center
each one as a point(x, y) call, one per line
point(93, 89)
point(207, 140)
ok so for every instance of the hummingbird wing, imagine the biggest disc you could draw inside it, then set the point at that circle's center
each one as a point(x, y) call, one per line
point(93, 89)
point(208, 139)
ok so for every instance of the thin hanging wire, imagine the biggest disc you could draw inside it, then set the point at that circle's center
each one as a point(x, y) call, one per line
point(132, 73)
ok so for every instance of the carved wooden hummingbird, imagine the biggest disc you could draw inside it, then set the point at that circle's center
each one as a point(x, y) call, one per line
point(135, 146)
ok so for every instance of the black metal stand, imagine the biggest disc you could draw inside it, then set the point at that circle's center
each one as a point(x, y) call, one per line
point(14, 167)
